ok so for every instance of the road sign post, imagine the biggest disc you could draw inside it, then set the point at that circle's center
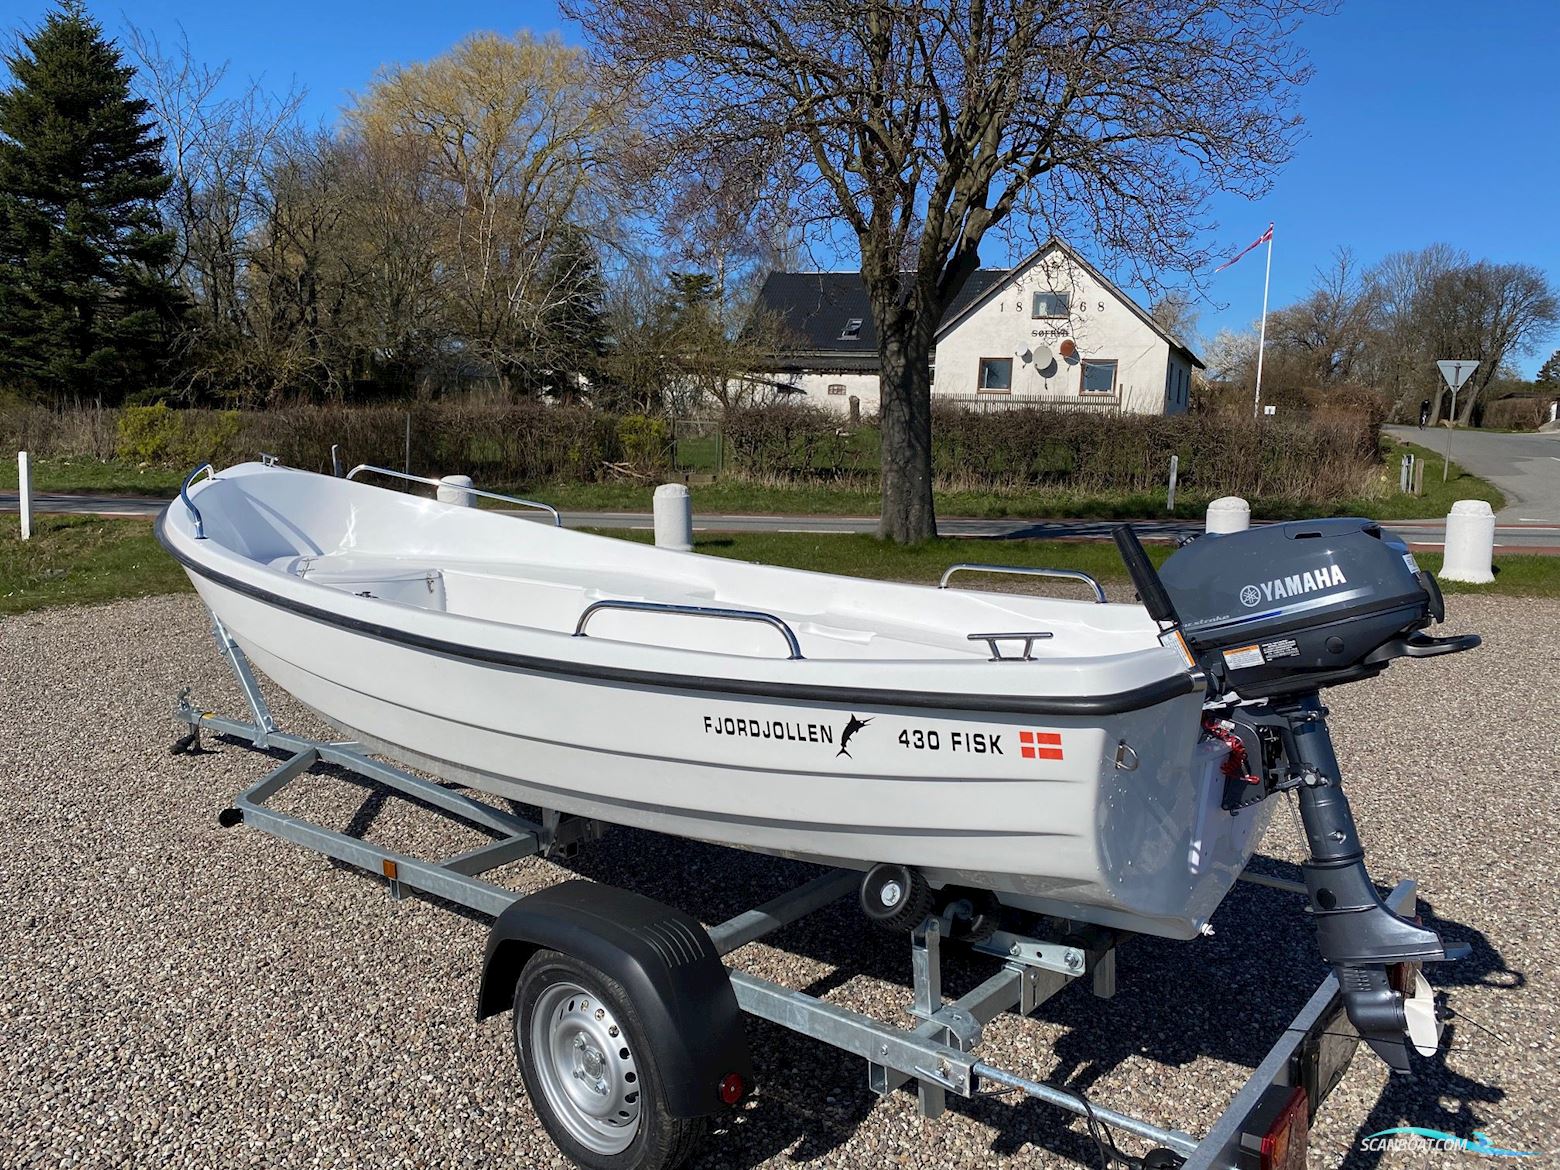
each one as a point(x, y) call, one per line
point(1454, 372)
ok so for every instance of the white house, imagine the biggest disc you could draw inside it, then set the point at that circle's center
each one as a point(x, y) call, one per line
point(1049, 331)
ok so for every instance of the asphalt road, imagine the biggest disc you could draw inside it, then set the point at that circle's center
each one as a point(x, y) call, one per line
point(1528, 537)
point(1525, 467)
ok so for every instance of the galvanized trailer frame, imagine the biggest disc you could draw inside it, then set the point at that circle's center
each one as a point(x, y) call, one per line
point(938, 1053)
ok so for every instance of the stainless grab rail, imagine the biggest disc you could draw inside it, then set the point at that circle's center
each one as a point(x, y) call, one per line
point(184, 494)
point(1069, 574)
point(736, 615)
point(438, 483)
point(1028, 637)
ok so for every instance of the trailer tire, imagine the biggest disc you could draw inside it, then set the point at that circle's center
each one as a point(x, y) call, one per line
point(590, 1073)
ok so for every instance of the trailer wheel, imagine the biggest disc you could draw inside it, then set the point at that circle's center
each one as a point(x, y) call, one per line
point(589, 1072)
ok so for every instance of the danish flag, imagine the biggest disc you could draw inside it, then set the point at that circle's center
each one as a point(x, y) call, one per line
point(1264, 238)
point(1040, 745)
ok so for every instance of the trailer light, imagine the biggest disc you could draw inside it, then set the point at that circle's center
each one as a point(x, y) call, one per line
point(1284, 1143)
point(731, 1088)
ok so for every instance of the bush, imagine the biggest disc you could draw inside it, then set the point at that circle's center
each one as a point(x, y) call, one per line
point(176, 438)
point(787, 441)
point(644, 442)
point(1087, 451)
point(84, 433)
point(1329, 455)
point(1516, 414)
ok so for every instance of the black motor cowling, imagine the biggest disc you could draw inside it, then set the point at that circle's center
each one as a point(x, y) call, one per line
point(1287, 608)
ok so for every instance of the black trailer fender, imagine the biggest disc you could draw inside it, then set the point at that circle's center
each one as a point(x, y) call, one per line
point(664, 960)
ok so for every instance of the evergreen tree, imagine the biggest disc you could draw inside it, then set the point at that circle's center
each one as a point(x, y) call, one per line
point(572, 330)
point(85, 306)
point(1549, 372)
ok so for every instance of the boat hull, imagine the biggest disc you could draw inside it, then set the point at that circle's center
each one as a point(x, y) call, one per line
point(1032, 806)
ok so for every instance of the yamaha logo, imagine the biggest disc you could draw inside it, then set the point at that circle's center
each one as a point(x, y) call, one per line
point(1308, 582)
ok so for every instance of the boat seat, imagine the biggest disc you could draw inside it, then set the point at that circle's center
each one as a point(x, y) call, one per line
point(422, 587)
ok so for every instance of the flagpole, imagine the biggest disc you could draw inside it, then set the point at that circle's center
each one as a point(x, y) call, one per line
point(1256, 406)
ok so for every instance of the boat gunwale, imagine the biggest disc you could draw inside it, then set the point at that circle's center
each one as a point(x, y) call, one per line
point(1115, 703)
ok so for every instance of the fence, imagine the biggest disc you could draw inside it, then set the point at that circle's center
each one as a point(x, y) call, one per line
point(983, 403)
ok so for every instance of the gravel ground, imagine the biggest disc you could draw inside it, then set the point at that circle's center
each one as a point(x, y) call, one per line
point(175, 994)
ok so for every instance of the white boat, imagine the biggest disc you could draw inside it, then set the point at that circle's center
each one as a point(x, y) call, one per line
point(1049, 750)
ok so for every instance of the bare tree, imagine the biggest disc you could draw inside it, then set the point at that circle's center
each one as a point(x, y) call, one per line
point(920, 125)
point(218, 146)
point(512, 130)
point(1177, 314)
point(1330, 329)
point(1489, 312)
point(1401, 357)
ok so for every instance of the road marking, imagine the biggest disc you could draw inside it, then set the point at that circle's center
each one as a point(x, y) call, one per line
point(810, 531)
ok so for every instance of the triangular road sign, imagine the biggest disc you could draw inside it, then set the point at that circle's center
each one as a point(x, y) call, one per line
point(1456, 371)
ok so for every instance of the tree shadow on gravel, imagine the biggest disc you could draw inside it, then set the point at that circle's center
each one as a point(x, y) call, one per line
point(1226, 997)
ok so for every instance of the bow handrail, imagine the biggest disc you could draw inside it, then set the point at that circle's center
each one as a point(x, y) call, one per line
point(184, 494)
point(476, 491)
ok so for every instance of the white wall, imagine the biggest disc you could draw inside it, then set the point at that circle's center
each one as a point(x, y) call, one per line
point(817, 386)
point(1099, 324)
point(1150, 379)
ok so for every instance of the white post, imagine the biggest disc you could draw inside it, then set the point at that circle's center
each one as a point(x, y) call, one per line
point(674, 517)
point(1228, 514)
point(1470, 543)
point(1256, 406)
point(1175, 470)
point(456, 489)
point(24, 493)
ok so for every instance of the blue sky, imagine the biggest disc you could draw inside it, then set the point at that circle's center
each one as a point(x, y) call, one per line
point(1426, 121)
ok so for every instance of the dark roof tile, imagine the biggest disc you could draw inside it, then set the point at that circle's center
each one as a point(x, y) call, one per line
point(818, 307)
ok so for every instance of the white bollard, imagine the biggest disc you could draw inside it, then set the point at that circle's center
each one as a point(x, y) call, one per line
point(456, 489)
point(674, 517)
point(1470, 543)
point(24, 493)
point(1228, 514)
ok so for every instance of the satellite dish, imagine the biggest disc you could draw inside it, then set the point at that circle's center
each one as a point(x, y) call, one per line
point(1043, 357)
point(1022, 354)
point(1069, 350)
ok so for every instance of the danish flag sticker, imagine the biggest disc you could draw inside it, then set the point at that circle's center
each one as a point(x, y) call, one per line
point(1040, 745)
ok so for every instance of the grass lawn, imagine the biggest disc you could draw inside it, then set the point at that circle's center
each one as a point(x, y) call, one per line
point(1439, 497)
point(80, 560)
point(95, 476)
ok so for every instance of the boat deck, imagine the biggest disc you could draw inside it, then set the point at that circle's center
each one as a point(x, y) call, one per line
point(553, 598)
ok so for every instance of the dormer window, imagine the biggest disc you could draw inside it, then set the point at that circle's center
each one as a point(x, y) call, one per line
point(852, 330)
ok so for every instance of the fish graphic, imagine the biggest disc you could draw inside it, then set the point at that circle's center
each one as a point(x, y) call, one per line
point(851, 728)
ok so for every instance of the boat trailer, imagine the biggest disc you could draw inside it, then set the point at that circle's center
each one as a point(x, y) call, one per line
point(1264, 1127)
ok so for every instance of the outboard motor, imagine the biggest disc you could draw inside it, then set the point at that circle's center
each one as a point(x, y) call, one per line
point(1271, 615)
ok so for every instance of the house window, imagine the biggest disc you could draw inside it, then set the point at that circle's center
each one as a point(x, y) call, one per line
point(852, 330)
point(1051, 304)
point(996, 375)
point(837, 388)
point(1099, 377)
